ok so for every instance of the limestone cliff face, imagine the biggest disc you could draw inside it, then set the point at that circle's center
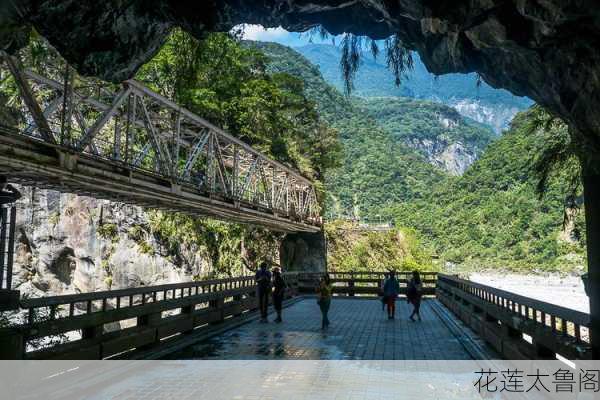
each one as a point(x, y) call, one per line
point(452, 157)
point(446, 153)
point(70, 244)
point(442, 135)
point(496, 116)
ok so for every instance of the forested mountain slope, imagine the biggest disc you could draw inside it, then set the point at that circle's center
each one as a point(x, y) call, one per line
point(376, 169)
point(492, 217)
point(480, 102)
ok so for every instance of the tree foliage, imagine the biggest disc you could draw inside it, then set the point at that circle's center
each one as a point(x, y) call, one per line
point(411, 120)
point(376, 169)
point(399, 249)
point(229, 85)
point(492, 217)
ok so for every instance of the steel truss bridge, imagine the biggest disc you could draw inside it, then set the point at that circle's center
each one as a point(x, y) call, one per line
point(127, 143)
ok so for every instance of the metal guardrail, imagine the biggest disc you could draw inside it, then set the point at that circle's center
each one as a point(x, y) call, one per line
point(549, 329)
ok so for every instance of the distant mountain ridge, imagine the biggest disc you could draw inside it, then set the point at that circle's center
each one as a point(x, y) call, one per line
point(482, 103)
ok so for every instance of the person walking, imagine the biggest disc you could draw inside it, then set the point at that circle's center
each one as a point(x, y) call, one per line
point(381, 286)
point(279, 287)
point(263, 287)
point(325, 291)
point(414, 294)
point(391, 289)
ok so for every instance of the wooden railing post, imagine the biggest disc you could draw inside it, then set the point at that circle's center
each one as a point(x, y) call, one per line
point(217, 305)
point(543, 352)
point(188, 311)
point(238, 301)
point(351, 285)
point(152, 321)
point(511, 332)
point(12, 344)
point(92, 332)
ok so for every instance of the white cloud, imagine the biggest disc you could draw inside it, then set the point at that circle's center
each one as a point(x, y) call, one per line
point(278, 35)
point(257, 32)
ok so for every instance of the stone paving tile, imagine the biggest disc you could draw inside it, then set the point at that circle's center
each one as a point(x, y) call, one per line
point(359, 330)
point(285, 379)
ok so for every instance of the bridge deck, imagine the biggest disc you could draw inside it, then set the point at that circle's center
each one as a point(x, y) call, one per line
point(359, 330)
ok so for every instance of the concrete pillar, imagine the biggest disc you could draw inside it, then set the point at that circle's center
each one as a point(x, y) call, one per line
point(9, 299)
point(304, 252)
point(591, 185)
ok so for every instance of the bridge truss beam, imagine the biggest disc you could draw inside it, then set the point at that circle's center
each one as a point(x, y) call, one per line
point(130, 144)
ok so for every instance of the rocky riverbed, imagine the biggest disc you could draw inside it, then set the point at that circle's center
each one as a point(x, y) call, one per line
point(565, 291)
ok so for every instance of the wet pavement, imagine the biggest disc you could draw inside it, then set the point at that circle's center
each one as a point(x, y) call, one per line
point(359, 330)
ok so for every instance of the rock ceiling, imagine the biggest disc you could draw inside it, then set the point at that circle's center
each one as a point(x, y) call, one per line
point(544, 49)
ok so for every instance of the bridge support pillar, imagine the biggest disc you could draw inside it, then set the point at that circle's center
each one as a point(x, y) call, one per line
point(304, 252)
point(189, 312)
point(9, 299)
point(151, 321)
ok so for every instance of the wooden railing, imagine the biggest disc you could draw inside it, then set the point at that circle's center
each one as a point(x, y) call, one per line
point(121, 322)
point(363, 283)
point(103, 324)
point(517, 326)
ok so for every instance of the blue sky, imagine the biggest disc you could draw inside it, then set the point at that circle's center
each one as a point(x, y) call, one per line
point(280, 35)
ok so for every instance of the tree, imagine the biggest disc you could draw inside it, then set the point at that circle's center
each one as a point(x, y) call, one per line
point(228, 84)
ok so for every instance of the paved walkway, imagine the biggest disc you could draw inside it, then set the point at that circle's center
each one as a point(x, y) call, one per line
point(359, 330)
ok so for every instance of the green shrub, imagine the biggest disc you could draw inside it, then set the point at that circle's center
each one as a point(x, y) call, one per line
point(109, 232)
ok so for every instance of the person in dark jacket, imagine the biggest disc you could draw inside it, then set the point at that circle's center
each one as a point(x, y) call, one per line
point(381, 285)
point(263, 288)
point(325, 291)
point(279, 287)
point(414, 294)
point(391, 289)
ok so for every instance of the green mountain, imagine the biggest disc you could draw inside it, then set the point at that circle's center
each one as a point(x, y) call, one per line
point(440, 133)
point(489, 217)
point(492, 216)
point(376, 169)
point(480, 102)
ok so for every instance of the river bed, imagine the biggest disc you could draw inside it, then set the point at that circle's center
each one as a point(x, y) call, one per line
point(560, 290)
